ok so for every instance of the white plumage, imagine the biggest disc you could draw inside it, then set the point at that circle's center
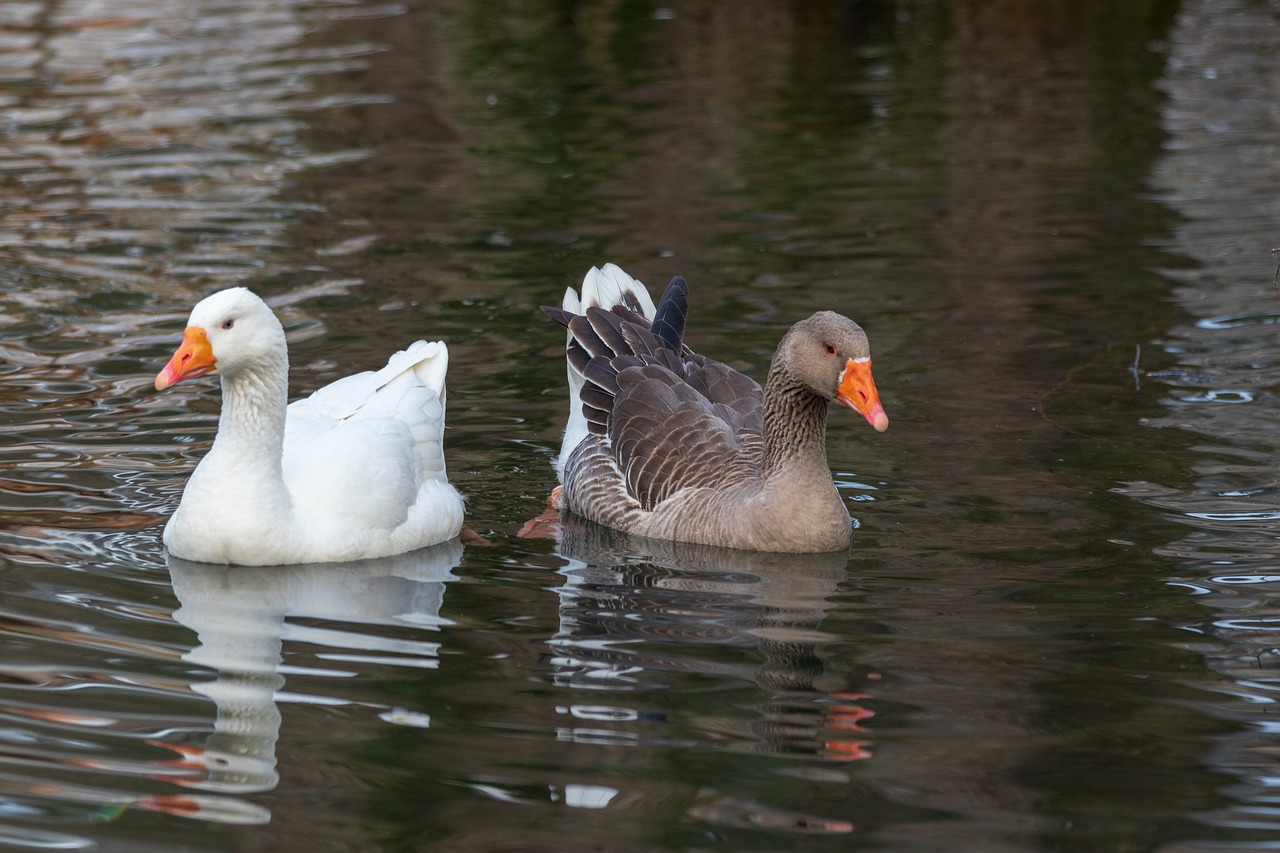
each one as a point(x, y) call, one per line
point(354, 471)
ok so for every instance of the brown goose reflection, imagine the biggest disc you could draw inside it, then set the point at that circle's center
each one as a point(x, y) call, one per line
point(244, 615)
point(642, 614)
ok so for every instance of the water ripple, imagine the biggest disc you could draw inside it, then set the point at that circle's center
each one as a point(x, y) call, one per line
point(1236, 321)
point(148, 148)
point(1209, 173)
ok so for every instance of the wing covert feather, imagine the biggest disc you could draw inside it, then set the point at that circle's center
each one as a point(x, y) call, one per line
point(665, 418)
point(666, 436)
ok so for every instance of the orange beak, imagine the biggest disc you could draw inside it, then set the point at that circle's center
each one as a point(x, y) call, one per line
point(857, 390)
point(193, 358)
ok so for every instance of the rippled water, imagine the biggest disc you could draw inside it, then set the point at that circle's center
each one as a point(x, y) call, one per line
point(1056, 625)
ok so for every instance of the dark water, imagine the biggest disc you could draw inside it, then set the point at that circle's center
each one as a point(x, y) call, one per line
point(1057, 626)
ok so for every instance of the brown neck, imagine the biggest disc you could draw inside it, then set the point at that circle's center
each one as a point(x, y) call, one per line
point(795, 424)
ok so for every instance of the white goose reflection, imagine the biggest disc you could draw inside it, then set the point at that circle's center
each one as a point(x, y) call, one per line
point(244, 615)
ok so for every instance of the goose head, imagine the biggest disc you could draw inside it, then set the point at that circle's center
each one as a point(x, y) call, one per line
point(227, 332)
point(829, 354)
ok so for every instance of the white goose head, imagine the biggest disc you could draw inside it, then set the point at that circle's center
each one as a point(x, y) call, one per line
point(228, 332)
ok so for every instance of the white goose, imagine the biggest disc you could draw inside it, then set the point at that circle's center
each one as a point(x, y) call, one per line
point(354, 471)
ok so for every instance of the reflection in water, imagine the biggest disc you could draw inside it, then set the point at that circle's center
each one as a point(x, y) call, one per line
point(638, 615)
point(145, 145)
point(115, 713)
point(243, 616)
point(60, 759)
point(1219, 173)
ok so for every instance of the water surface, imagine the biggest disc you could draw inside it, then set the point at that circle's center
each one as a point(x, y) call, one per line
point(1054, 627)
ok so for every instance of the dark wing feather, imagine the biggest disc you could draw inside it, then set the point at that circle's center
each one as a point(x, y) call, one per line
point(737, 398)
point(586, 334)
point(607, 327)
point(560, 315)
point(671, 419)
point(666, 436)
point(600, 386)
point(578, 357)
point(640, 341)
point(673, 310)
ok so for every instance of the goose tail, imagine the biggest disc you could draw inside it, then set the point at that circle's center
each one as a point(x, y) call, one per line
point(605, 288)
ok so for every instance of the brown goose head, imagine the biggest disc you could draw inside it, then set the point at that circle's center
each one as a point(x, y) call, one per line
point(829, 354)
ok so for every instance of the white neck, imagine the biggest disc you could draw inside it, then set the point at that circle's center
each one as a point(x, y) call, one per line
point(250, 441)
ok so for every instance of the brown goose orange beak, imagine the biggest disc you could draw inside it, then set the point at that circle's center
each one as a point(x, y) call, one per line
point(193, 358)
point(857, 390)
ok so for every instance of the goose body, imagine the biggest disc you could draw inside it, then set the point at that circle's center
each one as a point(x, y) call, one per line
point(665, 443)
point(354, 471)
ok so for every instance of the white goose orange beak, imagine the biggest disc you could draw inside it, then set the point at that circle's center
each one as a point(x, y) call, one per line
point(193, 358)
point(857, 390)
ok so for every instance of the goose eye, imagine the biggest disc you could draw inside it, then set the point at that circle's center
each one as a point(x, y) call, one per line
point(831, 350)
point(228, 323)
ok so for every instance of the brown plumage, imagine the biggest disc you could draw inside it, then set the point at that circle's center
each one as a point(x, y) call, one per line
point(666, 443)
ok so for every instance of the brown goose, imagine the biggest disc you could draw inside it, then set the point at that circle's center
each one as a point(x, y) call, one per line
point(663, 442)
